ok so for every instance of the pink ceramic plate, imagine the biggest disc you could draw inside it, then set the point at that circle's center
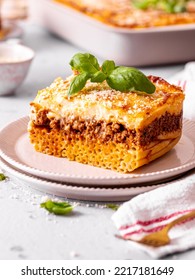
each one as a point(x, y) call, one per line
point(73, 192)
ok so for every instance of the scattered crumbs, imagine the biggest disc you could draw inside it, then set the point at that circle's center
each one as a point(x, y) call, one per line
point(44, 198)
point(75, 204)
point(14, 185)
point(49, 219)
point(99, 206)
point(32, 217)
point(21, 256)
point(74, 254)
point(14, 188)
point(15, 196)
point(17, 249)
point(62, 235)
point(35, 196)
point(34, 203)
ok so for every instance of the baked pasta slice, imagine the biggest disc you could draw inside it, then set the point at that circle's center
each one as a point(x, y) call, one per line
point(105, 127)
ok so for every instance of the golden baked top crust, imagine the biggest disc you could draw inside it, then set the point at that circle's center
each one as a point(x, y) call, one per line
point(122, 14)
point(98, 101)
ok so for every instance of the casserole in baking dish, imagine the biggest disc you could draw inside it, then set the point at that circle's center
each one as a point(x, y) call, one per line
point(126, 46)
point(137, 13)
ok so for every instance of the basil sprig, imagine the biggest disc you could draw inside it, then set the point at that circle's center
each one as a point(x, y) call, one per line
point(57, 208)
point(169, 6)
point(118, 77)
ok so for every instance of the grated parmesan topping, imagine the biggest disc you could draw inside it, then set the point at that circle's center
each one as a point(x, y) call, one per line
point(99, 101)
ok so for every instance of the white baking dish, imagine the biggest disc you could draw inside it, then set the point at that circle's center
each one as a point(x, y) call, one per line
point(150, 46)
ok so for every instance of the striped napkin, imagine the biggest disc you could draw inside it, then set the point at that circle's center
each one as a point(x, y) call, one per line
point(151, 211)
point(186, 79)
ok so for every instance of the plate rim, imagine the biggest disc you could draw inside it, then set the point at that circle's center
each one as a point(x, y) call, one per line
point(38, 172)
point(85, 193)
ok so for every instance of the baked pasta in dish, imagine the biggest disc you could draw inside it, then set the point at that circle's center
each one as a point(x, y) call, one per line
point(136, 13)
point(104, 127)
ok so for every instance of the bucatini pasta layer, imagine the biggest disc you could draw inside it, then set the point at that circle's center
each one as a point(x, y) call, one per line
point(104, 127)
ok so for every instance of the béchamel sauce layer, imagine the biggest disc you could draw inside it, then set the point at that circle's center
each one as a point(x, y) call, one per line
point(98, 101)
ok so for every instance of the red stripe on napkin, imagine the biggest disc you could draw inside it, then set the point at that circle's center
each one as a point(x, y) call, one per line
point(157, 220)
point(155, 229)
point(142, 230)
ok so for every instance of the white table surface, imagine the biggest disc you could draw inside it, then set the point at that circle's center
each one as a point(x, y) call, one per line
point(26, 230)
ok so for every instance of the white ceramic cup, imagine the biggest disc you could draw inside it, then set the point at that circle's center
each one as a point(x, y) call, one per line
point(15, 60)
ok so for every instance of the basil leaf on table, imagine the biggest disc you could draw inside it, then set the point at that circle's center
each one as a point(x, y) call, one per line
point(57, 208)
point(2, 177)
point(112, 206)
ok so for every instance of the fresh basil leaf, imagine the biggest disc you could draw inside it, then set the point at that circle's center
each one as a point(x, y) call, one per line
point(169, 6)
point(108, 66)
point(179, 8)
point(98, 77)
point(85, 62)
point(145, 4)
point(118, 77)
point(2, 177)
point(129, 79)
point(57, 208)
point(173, 6)
point(78, 83)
